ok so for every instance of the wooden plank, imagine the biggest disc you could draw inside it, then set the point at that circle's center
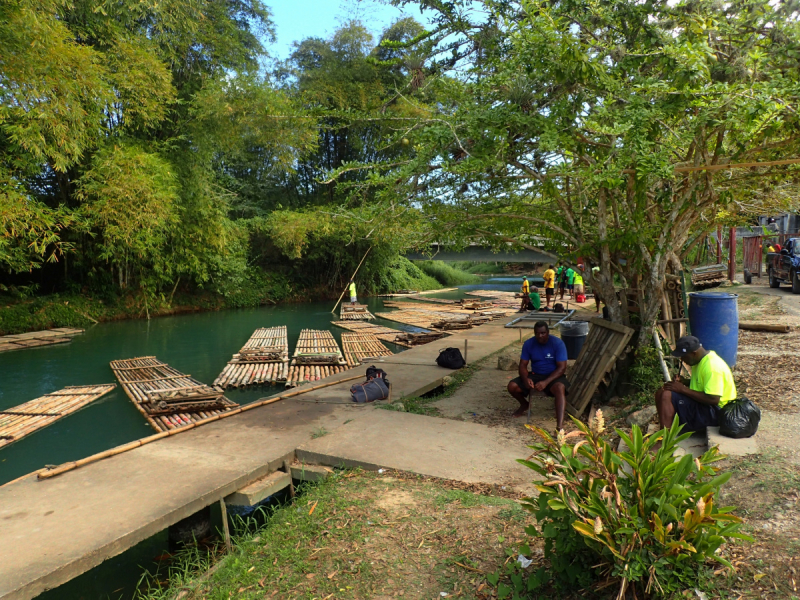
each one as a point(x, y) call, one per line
point(603, 347)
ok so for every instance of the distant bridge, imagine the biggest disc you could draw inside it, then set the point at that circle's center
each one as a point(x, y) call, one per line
point(477, 253)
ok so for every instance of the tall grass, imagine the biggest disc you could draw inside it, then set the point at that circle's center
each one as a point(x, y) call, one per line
point(446, 274)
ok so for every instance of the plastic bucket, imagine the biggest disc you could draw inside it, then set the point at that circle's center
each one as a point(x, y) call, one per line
point(573, 334)
point(714, 319)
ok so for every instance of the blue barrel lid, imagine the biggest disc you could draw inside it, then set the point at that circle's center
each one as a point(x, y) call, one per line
point(713, 295)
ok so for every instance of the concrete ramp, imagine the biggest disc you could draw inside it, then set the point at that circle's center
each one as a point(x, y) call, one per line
point(430, 446)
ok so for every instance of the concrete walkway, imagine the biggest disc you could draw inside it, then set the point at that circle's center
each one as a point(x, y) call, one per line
point(55, 529)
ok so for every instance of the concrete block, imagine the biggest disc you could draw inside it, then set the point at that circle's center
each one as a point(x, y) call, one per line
point(731, 446)
point(264, 487)
point(310, 472)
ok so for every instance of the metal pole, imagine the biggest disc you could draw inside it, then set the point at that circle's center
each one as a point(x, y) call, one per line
point(465, 351)
point(732, 255)
point(719, 244)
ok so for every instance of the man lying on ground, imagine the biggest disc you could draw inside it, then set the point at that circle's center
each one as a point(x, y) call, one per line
point(710, 388)
point(547, 356)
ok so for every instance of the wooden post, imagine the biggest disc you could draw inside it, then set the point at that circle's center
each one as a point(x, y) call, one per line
point(465, 351)
point(225, 529)
point(288, 469)
point(732, 255)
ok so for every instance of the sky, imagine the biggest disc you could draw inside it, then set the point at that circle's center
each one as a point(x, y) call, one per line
point(296, 20)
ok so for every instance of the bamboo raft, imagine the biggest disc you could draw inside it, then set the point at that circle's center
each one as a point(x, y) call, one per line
point(357, 312)
point(32, 339)
point(317, 355)
point(360, 347)
point(166, 397)
point(418, 339)
point(263, 359)
point(19, 421)
point(386, 334)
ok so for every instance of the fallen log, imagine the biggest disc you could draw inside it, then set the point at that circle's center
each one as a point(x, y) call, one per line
point(764, 327)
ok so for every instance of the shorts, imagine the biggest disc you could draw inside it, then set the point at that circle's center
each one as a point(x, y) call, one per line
point(537, 378)
point(353, 299)
point(694, 416)
point(570, 286)
point(562, 285)
point(549, 292)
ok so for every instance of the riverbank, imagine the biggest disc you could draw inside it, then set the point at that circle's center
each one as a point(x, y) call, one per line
point(20, 313)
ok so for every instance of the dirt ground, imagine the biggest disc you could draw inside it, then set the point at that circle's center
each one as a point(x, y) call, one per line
point(764, 487)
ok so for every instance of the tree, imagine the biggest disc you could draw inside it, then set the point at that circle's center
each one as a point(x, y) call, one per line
point(608, 131)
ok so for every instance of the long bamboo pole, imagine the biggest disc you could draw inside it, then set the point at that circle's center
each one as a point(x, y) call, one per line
point(333, 310)
point(48, 473)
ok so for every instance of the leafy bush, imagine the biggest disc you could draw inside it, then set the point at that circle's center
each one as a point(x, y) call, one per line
point(402, 274)
point(445, 274)
point(639, 519)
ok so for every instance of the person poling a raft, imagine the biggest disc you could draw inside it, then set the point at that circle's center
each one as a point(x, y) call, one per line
point(353, 295)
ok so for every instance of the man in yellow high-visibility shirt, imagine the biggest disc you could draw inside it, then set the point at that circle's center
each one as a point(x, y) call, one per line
point(711, 387)
point(549, 284)
point(353, 297)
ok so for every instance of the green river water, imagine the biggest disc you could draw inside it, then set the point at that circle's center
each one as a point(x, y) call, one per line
point(199, 344)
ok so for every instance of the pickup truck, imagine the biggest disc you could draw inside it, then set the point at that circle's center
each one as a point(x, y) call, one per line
point(784, 266)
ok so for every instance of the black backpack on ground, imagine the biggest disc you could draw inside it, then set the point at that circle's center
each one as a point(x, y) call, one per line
point(450, 358)
point(373, 372)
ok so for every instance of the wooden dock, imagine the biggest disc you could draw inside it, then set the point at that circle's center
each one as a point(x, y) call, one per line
point(33, 339)
point(263, 359)
point(354, 312)
point(386, 334)
point(166, 397)
point(360, 347)
point(17, 422)
point(317, 355)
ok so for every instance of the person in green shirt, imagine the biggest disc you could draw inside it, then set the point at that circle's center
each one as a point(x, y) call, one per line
point(711, 387)
point(570, 275)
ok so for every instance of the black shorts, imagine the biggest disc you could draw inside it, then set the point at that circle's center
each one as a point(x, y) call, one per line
point(562, 285)
point(537, 378)
point(549, 291)
point(694, 416)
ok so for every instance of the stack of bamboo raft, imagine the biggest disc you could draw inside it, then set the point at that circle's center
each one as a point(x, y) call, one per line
point(386, 334)
point(709, 276)
point(500, 299)
point(263, 359)
point(166, 397)
point(418, 339)
point(355, 312)
point(17, 422)
point(445, 317)
point(317, 355)
point(33, 339)
point(359, 347)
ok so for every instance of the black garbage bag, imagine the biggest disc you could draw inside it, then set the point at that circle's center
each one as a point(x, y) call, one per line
point(739, 419)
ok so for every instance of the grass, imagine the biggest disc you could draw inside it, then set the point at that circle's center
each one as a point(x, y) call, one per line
point(318, 433)
point(446, 274)
point(369, 536)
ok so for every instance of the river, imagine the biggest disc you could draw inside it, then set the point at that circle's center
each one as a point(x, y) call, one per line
point(199, 344)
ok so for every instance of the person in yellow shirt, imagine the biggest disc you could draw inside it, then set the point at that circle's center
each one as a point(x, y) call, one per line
point(549, 284)
point(353, 295)
point(711, 387)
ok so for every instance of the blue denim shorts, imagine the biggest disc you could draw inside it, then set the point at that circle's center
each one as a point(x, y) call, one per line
point(694, 416)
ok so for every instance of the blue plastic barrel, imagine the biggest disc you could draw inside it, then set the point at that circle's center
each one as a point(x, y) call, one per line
point(714, 319)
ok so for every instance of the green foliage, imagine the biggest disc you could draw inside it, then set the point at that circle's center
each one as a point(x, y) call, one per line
point(480, 268)
point(562, 124)
point(446, 274)
point(641, 518)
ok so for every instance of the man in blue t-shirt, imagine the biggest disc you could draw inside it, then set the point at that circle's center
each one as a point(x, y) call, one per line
point(548, 360)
